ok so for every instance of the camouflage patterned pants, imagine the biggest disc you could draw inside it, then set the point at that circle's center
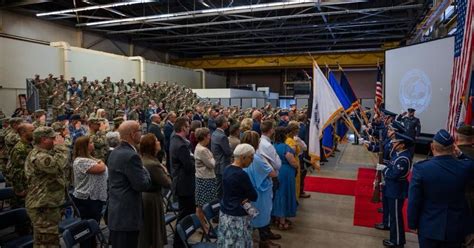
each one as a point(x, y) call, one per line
point(45, 226)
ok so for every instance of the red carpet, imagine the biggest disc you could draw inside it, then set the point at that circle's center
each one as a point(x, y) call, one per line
point(330, 185)
point(365, 212)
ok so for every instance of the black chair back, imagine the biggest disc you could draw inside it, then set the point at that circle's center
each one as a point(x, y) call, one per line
point(82, 231)
point(187, 226)
point(13, 217)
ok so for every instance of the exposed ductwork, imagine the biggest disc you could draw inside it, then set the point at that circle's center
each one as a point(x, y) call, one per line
point(142, 67)
point(66, 60)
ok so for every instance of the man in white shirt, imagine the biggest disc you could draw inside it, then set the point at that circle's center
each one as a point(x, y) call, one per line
point(265, 147)
point(268, 152)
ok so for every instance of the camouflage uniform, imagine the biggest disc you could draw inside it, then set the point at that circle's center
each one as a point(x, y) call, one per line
point(59, 127)
point(43, 93)
point(10, 140)
point(44, 170)
point(3, 148)
point(15, 171)
point(37, 114)
point(133, 115)
point(101, 147)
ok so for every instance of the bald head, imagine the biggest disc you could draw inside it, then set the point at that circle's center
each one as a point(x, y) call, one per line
point(130, 132)
point(156, 118)
point(127, 127)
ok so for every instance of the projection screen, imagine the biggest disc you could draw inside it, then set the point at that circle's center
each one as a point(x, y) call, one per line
point(419, 77)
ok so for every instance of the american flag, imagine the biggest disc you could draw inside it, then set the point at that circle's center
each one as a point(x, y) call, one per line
point(463, 45)
point(378, 90)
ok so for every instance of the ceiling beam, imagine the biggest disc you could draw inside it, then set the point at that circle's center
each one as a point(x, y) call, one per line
point(286, 49)
point(215, 41)
point(273, 18)
point(103, 6)
point(289, 43)
point(203, 13)
point(296, 27)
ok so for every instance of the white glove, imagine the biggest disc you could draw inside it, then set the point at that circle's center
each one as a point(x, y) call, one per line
point(381, 167)
point(364, 127)
point(361, 140)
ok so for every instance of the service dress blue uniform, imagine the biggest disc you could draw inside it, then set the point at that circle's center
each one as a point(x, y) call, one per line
point(396, 190)
point(388, 152)
point(436, 204)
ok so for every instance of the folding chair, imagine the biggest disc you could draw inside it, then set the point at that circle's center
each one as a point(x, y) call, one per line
point(69, 221)
point(171, 211)
point(5, 195)
point(12, 218)
point(187, 227)
point(211, 211)
point(83, 231)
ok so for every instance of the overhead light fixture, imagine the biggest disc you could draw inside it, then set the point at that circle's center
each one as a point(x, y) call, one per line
point(110, 5)
point(206, 12)
point(205, 4)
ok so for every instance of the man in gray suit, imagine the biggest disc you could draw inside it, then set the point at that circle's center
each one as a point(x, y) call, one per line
point(127, 179)
point(221, 150)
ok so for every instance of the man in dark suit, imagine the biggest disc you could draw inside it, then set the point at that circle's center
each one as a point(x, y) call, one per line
point(198, 115)
point(436, 203)
point(156, 130)
point(211, 122)
point(168, 130)
point(220, 148)
point(127, 179)
point(182, 163)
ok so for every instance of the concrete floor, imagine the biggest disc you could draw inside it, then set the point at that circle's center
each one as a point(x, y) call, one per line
point(325, 220)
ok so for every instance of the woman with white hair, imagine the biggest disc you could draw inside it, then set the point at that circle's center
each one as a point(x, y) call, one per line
point(235, 229)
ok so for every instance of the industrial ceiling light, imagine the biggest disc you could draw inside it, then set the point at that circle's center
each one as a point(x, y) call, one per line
point(207, 12)
point(110, 5)
point(204, 3)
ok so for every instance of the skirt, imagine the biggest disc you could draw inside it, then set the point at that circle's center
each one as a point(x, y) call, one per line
point(234, 231)
point(206, 191)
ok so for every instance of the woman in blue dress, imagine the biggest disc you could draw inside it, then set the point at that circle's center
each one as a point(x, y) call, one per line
point(260, 173)
point(284, 202)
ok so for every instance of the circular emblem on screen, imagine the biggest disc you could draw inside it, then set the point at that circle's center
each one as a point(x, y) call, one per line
point(415, 90)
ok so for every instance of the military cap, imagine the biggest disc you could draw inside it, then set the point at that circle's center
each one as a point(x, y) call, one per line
point(466, 130)
point(95, 120)
point(15, 120)
point(119, 112)
point(411, 110)
point(41, 132)
point(118, 120)
point(283, 113)
point(61, 118)
point(58, 126)
point(75, 117)
point(388, 113)
point(39, 112)
point(443, 138)
point(397, 127)
point(402, 138)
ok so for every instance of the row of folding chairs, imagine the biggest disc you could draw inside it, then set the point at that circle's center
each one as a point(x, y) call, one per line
point(191, 223)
